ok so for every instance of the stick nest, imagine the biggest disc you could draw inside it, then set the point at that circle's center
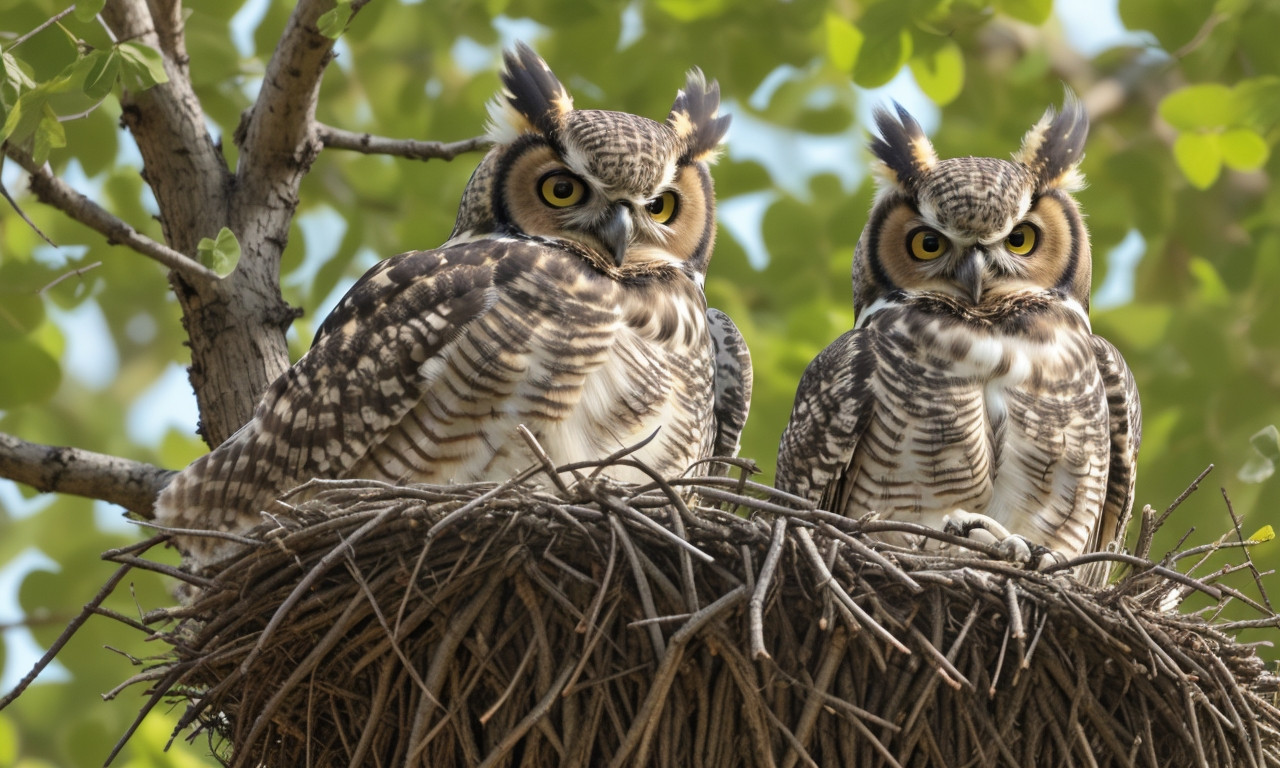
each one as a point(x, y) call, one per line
point(705, 621)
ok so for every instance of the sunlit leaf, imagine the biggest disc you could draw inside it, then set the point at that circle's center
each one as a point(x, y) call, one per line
point(141, 66)
point(886, 44)
point(23, 117)
point(49, 135)
point(1212, 290)
point(221, 254)
point(691, 10)
point(843, 42)
point(1199, 106)
point(8, 741)
point(333, 22)
point(1199, 157)
point(14, 73)
point(1243, 149)
point(941, 73)
point(1264, 534)
point(1030, 11)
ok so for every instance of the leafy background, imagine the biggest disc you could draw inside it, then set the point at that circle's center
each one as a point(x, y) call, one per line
point(1184, 218)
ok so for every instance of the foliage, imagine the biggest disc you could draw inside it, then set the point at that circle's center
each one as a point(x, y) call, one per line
point(1179, 160)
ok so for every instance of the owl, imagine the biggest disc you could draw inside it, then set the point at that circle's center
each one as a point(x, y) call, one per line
point(971, 393)
point(568, 299)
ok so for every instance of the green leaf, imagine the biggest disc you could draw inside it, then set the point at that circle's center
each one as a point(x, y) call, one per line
point(691, 10)
point(1212, 291)
point(1264, 534)
point(1199, 157)
point(941, 73)
point(142, 66)
point(221, 254)
point(14, 73)
point(1198, 107)
point(87, 9)
point(1031, 11)
point(886, 44)
point(8, 741)
point(1243, 150)
point(33, 375)
point(102, 75)
point(333, 23)
point(49, 135)
point(843, 42)
point(24, 117)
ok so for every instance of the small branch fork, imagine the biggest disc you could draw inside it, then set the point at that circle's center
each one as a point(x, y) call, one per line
point(51, 190)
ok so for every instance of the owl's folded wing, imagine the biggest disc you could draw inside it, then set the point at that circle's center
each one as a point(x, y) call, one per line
point(1125, 420)
point(359, 378)
point(831, 412)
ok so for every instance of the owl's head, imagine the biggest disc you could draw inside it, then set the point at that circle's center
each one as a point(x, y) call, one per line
point(976, 228)
point(630, 193)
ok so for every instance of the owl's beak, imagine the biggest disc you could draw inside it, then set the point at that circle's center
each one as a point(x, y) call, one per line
point(615, 232)
point(970, 273)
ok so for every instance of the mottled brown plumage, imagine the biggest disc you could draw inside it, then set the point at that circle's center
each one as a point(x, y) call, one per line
point(568, 299)
point(971, 390)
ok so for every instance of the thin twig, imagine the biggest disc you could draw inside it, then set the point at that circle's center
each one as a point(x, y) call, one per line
point(337, 138)
point(42, 27)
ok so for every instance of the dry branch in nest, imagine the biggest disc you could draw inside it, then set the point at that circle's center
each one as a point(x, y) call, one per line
point(703, 621)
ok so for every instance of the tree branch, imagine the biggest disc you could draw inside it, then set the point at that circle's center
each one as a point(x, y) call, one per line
point(337, 138)
point(51, 190)
point(131, 484)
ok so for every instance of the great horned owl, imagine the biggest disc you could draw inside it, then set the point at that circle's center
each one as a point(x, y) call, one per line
point(971, 390)
point(568, 299)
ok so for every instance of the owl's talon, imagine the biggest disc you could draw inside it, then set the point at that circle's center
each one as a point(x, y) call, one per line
point(1016, 549)
point(961, 523)
point(1044, 557)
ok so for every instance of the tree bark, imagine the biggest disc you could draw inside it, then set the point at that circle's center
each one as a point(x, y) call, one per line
point(236, 326)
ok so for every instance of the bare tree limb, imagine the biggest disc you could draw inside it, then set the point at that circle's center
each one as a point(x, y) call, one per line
point(236, 326)
point(337, 138)
point(59, 469)
point(51, 190)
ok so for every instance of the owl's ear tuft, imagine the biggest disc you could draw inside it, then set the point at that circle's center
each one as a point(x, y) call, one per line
point(532, 98)
point(696, 120)
point(905, 153)
point(1054, 147)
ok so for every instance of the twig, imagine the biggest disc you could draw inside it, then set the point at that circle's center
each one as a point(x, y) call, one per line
point(829, 581)
point(1195, 484)
point(73, 273)
point(65, 637)
point(42, 27)
point(337, 138)
point(1257, 577)
point(18, 209)
point(53, 191)
point(755, 607)
point(1137, 562)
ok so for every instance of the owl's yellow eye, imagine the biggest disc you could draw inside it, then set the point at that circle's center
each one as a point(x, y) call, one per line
point(662, 208)
point(561, 190)
point(1022, 240)
point(926, 244)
